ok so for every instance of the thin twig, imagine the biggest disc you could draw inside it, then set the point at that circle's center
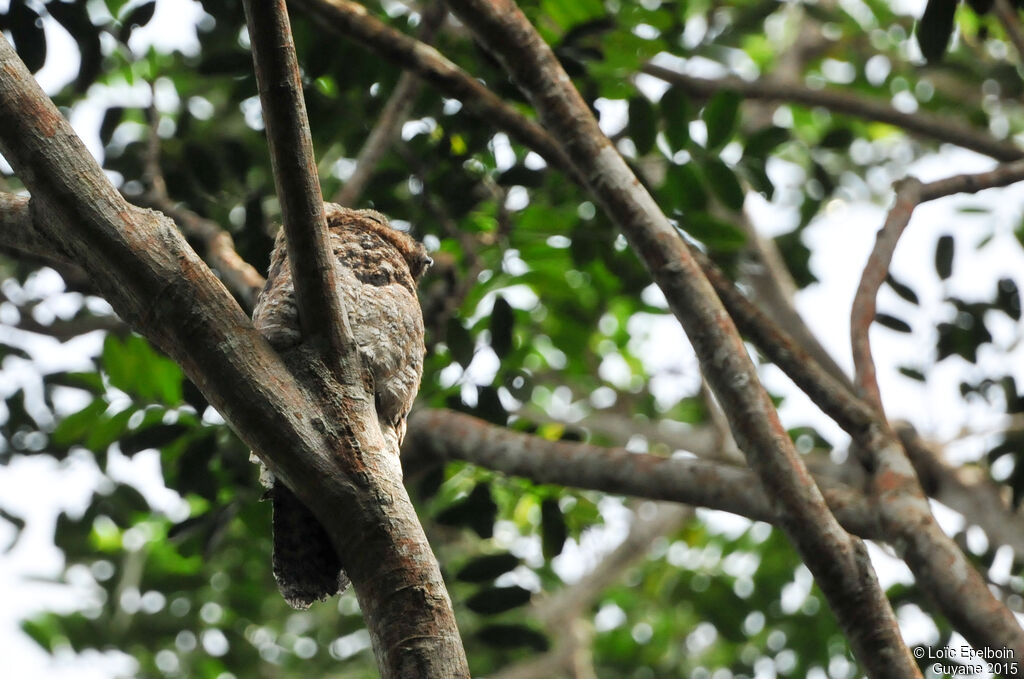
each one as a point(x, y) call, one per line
point(351, 19)
point(908, 195)
point(321, 312)
point(919, 123)
point(1008, 16)
point(394, 114)
point(241, 278)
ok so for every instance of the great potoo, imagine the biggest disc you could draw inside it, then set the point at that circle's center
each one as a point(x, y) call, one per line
point(377, 269)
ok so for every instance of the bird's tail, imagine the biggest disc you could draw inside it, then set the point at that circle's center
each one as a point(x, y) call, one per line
point(306, 565)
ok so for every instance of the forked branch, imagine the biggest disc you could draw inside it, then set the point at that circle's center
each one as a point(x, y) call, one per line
point(839, 562)
point(321, 313)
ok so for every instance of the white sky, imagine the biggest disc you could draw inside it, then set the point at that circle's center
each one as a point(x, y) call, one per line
point(38, 488)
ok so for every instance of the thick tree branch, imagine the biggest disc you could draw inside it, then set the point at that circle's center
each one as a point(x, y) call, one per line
point(158, 284)
point(839, 562)
point(919, 123)
point(937, 563)
point(321, 313)
point(448, 435)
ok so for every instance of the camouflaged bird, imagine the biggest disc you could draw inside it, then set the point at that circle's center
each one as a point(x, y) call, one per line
point(377, 269)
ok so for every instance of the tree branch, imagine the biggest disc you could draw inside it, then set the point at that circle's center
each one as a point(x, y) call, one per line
point(352, 20)
point(910, 193)
point(240, 277)
point(1007, 14)
point(862, 315)
point(919, 123)
point(157, 283)
point(394, 114)
point(449, 435)
point(839, 562)
point(321, 312)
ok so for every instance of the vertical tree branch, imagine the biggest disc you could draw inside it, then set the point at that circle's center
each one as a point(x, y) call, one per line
point(321, 313)
point(862, 314)
point(839, 562)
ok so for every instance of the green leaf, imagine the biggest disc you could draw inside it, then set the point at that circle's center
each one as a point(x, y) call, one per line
point(838, 138)
point(136, 17)
point(764, 141)
point(502, 324)
point(111, 119)
point(26, 28)
point(935, 28)
point(553, 528)
point(477, 511)
point(73, 428)
point(460, 342)
point(1008, 298)
point(136, 369)
point(676, 113)
point(904, 291)
point(718, 235)
point(684, 188)
point(893, 323)
point(487, 568)
point(724, 183)
point(912, 373)
point(513, 636)
point(720, 117)
point(152, 437)
point(494, 600)
point(944, 257)
point(642, 124)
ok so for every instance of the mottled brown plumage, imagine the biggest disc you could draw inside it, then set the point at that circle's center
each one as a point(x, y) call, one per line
point(377, 271)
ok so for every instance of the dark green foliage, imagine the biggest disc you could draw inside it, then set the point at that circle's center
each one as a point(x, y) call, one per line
point(485, 568)
point(944, 257)
point(892, 322)
point(935, 28)
point(720, 116)
point(557, 297)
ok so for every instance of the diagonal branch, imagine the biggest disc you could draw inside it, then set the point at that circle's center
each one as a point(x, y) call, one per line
point(920, 124)
point(321, 313)
point(241, 277)
point(839, 562)
point(352, 20)
point(394, 114)
point(158, 284)
point(1006, 11)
